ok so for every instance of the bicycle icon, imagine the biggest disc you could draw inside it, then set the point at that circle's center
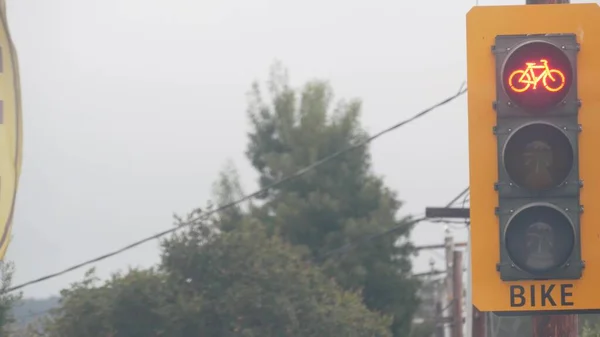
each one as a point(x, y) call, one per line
point(528, 78)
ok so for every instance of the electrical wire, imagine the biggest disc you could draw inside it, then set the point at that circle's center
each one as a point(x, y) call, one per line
point(348, 247)
point(462, 90)
point(343, 249)
point(457, 197)
point(368, 238)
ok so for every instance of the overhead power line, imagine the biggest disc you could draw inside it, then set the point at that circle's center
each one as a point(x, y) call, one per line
point(341, 249)
point(453, 201)
point(462, 90)
point(387, 232)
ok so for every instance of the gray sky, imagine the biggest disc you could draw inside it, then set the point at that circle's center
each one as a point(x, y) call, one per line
point(131, 108)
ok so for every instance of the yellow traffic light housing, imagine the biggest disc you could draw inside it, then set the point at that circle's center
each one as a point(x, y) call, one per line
point(534, 126)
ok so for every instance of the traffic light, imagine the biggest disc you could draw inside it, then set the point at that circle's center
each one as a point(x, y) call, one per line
point(534, 165)
point(537, 133)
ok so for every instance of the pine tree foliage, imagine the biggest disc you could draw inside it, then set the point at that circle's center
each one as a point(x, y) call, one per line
point(337, 203)
point(7, 300)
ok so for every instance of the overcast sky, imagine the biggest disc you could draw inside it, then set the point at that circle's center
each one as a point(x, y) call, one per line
point(131, 108)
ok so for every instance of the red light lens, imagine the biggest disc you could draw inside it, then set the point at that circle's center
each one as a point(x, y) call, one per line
point(537, 75)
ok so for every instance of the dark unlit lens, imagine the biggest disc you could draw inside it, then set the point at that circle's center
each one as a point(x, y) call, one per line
point(538, 157)
point(539, 239)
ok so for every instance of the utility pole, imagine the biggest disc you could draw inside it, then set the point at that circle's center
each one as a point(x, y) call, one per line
point(437, 299)
point(439, 320)
point(457, 301)
point(449, 280)
point(444, 292)
point(553, 325)
point(478, 318)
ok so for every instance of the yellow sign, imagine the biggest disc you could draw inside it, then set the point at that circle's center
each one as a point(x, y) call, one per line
point(484, 23)
point(11, 132)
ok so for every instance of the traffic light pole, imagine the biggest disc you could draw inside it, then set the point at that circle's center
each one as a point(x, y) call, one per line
point(553, 325)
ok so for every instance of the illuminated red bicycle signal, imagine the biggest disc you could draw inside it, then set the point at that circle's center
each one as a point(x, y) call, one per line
point(521, 80)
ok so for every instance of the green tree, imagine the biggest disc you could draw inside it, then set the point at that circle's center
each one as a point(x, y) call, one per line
point(7, 300)
point(589, 325)
point(590, 330)
point(241, 283)
point(126, 305)
point(226, 191)
point(337, 203)
point(258, 285)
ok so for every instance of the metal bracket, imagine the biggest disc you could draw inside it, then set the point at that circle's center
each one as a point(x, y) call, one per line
point(496, 50)
point(579, 210)
point(499, 265)
point(510, 184)
point(501, 212)
point(576, 263)
point(446, 212)
point(567, 129)
point(499, 133)
point(576, 47)
point(572, 182)
point(511, 211)
point(497, 185)
point(578, 183)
